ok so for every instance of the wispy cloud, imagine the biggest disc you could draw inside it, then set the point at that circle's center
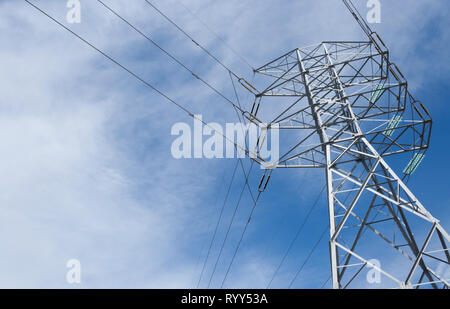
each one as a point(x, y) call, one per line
point(86, 164)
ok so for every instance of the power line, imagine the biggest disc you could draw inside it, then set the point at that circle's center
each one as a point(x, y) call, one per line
point(113, 60)
point(216, 200)
point(229, 225)
point(317, 243)
point(246, 184)
point(212, 88)
point(345, 256)
point(309, 256)
point(240, 161)
point(322, 286)
point(192, 39)
point(169, 54)
point(242, 237)
point(182, 65)
point(255, 201)
point(217, 225)
point(231, 182)
point(296, 236)
point(246, 133)
point(189, 113)
point(216, 35)
point(150, 86)
point(246, 176)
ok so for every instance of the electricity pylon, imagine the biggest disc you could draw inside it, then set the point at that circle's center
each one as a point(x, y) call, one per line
point(346, 108)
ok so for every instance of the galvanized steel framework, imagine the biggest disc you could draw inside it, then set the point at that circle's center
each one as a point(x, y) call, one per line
point(349, 109)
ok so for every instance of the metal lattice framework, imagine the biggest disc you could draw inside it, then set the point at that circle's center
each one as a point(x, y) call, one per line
point(344, 107)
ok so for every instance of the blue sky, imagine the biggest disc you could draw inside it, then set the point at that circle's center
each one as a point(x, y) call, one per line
point(88, 172)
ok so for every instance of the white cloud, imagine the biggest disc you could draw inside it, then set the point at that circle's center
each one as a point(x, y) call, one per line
point(86, 163)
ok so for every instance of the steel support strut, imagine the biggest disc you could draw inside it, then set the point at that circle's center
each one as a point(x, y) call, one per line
point(347, 152)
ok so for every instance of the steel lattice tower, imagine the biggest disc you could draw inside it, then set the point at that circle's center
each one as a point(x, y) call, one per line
point(347, 109)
